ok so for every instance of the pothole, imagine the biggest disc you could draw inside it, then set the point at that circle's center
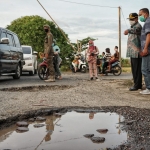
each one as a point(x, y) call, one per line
point(73, 130)
point(70, 128)
point(37, 88)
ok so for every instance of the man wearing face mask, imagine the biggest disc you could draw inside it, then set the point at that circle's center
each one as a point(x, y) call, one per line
point(133, 50)
point(145, 46)
point(48, 52)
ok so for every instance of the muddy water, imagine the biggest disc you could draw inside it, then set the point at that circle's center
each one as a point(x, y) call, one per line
point(66, 133)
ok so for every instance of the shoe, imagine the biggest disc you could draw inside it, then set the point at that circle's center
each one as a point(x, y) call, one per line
point(134, 89)
point(108, 71)
point(50, 80)
point(91, 78)
point(97, 79)
point(60, 77)
point(145, 92)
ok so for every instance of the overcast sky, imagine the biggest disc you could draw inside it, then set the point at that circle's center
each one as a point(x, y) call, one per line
point(78, 21)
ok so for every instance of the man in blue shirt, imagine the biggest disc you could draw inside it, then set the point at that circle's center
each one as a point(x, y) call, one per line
point(57, 59)
point(145, 45)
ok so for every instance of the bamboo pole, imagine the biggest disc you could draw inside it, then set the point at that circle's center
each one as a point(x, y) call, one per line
point(57, 26)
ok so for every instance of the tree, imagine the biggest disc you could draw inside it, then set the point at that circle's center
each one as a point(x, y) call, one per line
point(84, 42)
point(30, 31)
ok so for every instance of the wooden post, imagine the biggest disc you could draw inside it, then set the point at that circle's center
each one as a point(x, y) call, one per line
point(119, 8)
point(77, 45)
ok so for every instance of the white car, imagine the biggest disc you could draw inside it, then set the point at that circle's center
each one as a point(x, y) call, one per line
point(30, 58)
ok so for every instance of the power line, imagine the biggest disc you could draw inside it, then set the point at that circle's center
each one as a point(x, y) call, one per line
point(86, 4)
point(124, 18)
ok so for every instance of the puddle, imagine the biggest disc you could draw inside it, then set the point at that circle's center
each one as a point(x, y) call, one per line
point(66, 133)
point(37, 88)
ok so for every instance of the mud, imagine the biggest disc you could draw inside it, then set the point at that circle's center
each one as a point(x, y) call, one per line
point(36, 88)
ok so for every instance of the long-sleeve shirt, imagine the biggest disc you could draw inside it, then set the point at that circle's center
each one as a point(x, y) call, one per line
point(48, 44)
point(93, 58)
point(134, 44)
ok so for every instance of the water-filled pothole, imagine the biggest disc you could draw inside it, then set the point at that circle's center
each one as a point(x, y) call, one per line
point(37, 88)
point(66, 132)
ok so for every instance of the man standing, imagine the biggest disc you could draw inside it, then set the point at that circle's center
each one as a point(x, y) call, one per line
point(145, 43)
point(57, 59)
point(133, 50)
point(48, 51)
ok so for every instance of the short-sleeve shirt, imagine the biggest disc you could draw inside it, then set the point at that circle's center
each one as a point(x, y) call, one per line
point(145, 31)
point(56, 48)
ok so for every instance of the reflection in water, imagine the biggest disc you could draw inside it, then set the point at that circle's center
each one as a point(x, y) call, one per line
point(68, 134)
point(91, 115)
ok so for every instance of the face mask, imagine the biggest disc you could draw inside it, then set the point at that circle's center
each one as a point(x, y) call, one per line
point(132, 22)
point(46, 30)
point(90, 44)
point(116, 50)
point(142, 19)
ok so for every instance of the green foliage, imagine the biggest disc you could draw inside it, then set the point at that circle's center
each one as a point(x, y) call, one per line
point(85, 41)
point(125, 62)
point(30, 32)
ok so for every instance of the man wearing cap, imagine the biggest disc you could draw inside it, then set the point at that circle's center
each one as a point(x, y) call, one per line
point(145, 44)
point(133, 50)
point(48, 51)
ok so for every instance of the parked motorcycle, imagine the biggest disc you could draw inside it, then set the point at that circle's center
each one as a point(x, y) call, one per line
point(115, 69)
point(43, 72)
point(82, 67)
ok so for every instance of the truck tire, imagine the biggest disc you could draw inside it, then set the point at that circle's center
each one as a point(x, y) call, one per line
point(32, 72)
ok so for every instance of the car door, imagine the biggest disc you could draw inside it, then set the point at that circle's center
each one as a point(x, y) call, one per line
point(18, 47)
point(13, 51)
point(5, 55)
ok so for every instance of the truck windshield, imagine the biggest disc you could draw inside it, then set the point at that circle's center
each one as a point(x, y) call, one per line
point(26, 50)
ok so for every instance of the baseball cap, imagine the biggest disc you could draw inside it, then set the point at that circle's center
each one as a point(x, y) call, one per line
point(133, 16)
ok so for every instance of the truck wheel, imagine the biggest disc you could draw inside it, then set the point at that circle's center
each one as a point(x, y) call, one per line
point(31, 72)
point(35, 71)
point(18, 72)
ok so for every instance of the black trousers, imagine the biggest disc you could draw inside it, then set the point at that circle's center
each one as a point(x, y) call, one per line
point(136, 71)
point(104, 66)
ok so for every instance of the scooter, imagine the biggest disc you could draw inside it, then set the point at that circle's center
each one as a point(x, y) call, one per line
point(81, 66)
point(115, 69)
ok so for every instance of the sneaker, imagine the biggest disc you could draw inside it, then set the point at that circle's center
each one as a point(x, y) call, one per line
point(60, 77)
point(97, 79)
point(50, 80)
point(91, 78)
point(147, 91)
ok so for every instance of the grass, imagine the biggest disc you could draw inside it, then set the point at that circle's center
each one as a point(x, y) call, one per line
point(126, 69)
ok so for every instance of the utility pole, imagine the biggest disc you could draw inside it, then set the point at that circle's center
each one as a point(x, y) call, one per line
point(77, 45)
point(119, 8)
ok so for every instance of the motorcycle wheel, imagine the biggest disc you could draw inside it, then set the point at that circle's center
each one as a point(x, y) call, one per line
point(83, 70)
point(72, 68)
point(42, 73)
point(117, 70)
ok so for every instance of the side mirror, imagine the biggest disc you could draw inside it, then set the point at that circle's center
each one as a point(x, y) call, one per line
point(4, 41)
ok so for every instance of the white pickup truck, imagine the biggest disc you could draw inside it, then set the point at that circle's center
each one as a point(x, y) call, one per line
point(30, 58)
